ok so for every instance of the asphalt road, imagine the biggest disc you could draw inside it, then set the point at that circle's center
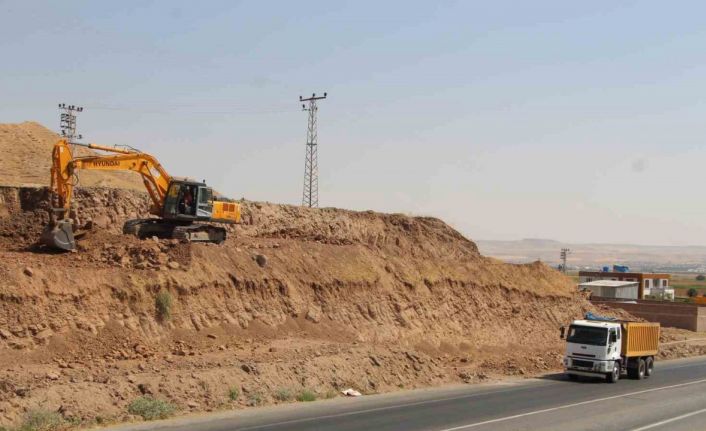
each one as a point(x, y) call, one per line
point(674, 399)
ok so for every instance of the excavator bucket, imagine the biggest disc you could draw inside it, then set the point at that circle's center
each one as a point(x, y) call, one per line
point(59, 236)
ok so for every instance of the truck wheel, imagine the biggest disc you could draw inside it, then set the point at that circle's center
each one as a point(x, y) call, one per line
point(649, 366)
point(573, 377)
point(615, 375)
point(632, 371)
point(641, 369)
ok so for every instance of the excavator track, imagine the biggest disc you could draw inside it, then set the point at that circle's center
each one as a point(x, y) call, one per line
point(191, 232)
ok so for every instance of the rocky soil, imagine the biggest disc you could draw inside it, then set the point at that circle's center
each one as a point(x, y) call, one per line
point(319, 299)
point(681, 343)
point(296, 299)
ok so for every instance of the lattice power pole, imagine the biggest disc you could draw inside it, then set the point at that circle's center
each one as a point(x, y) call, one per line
point(564, 254)
point(310, 197)
point(67, 121)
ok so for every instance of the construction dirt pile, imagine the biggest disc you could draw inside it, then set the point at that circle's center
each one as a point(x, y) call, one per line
point(296, 301)
point(26, 151)
point(681, 343)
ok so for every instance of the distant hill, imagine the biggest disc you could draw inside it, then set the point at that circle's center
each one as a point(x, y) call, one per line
point(539, 242)
point(644, 257)
point(26, 159)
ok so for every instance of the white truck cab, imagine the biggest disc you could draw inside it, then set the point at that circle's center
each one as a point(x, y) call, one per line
point(605, 348)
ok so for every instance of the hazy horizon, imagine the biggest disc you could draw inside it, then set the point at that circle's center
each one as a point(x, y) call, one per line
point(509, 120)
point(587, 242)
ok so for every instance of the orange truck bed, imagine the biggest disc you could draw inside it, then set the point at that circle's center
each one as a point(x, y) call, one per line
point(640, 338)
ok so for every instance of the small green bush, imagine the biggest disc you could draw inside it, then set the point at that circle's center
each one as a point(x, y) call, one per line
point(42, 420)
point(255, 399)
point(163, 303)
point(306, 395)
point(283, 394)
point(150, 408)
point(700, 277)
point(233, 393)
point(692, 292)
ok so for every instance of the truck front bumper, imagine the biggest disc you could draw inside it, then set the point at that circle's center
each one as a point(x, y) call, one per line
point(586, 373)
point(584, 367)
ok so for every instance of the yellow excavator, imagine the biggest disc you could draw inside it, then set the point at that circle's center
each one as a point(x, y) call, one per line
point(184, 208)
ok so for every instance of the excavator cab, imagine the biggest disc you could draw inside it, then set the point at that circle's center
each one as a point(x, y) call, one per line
point(188, 201)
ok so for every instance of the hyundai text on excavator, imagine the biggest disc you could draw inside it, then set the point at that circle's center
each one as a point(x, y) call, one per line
point(184, 208)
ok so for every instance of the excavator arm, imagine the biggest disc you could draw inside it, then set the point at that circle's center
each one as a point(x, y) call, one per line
point(166, 193)
point(64, 167)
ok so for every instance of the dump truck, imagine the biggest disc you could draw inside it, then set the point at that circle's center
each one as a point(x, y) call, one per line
point(183, 209)
point(600, 347)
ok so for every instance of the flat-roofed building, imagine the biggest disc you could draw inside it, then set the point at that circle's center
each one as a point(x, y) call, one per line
point(649, 283)
point(612, 288)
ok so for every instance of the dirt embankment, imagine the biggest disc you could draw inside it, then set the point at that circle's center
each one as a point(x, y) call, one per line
point(296, 298)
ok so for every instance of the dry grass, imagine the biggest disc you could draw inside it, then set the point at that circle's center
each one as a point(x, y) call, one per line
point(306, 395)
point(163, 302)
point(150, 408)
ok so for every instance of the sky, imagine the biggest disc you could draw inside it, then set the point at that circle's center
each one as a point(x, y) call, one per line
point(574, 121)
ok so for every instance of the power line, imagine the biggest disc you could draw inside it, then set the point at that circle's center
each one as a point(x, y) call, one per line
point(197, 109)
point(310, 197)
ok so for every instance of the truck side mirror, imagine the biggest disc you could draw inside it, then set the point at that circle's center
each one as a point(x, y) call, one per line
point(563, 332)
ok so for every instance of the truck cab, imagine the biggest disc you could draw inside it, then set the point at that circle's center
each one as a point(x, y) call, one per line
point(598, 348)
point(592, 348)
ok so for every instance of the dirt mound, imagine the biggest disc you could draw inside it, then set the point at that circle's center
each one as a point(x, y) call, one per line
point(24, 212)
point(296, 298)
point(680, 343)
point(26, 149)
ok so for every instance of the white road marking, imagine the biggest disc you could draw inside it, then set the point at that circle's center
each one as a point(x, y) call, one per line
point(666, 421)
point(381, 409)
point(567, 406)
point(195, 422)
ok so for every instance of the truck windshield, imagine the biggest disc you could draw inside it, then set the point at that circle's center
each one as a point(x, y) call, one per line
point(587, 335)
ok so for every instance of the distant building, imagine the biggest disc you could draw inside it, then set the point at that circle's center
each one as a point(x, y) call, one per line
point(656, 284)
point(612, 288)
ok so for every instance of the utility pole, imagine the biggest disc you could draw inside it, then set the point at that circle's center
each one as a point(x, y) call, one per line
point(310, 197)
point(67, 121)
point(564, 254)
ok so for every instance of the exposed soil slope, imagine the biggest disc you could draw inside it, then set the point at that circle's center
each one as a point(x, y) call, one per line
point(26, 150)
point(297, 298)
point(318, 298)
